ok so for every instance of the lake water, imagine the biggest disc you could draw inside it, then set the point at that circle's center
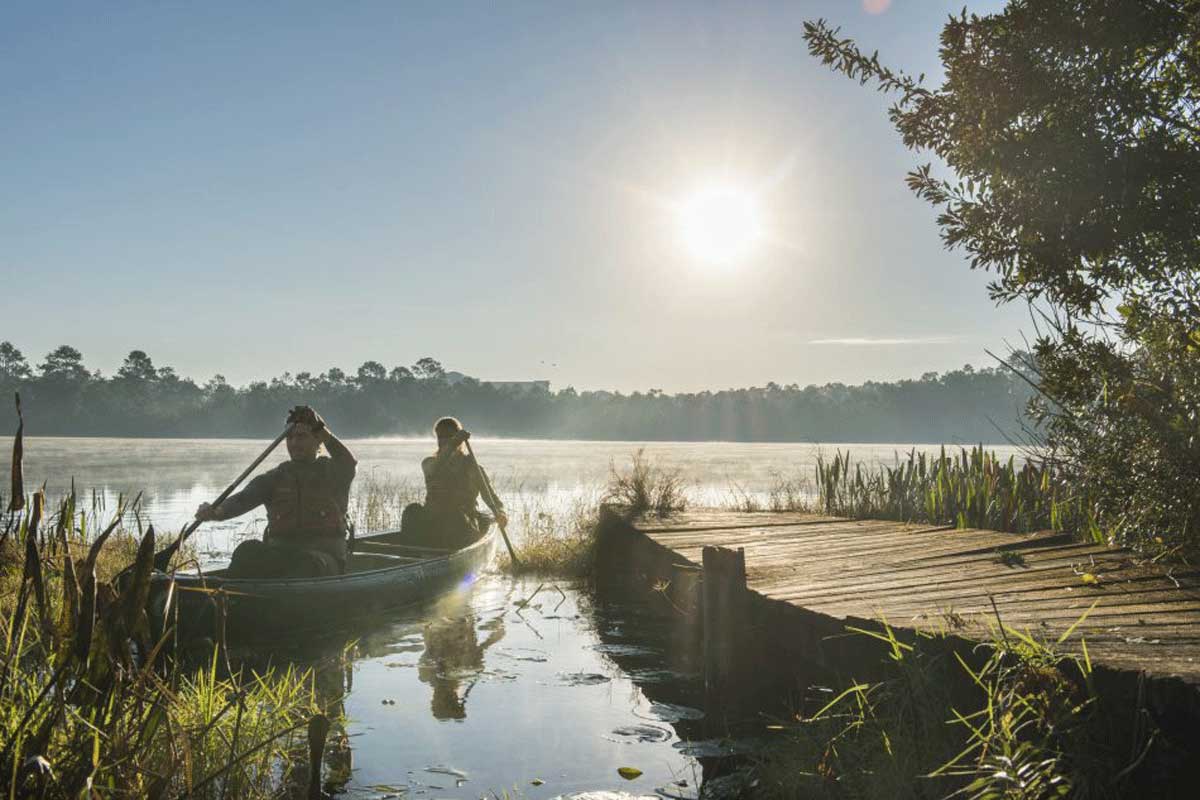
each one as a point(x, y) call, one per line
point(488, 690)
point(507, 688)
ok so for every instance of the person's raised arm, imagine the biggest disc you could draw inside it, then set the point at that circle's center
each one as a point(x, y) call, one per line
point(443, 454)
point(341, 455)
point(338, 450)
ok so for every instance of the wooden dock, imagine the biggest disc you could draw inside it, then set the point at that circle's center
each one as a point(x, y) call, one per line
point(1140, 618)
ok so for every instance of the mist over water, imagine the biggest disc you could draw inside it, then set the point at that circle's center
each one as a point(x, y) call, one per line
point(176, 475)
point(550, 476)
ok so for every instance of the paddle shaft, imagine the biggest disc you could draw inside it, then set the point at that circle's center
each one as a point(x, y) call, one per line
point(492, 501)
point(163, 558)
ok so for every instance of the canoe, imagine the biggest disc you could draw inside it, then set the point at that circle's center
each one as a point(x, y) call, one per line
point(382, 573)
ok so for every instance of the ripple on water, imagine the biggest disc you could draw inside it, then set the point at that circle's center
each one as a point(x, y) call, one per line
point(525, 654)
point(631, 734)
point(669, 712)
point(459, 776)
point(625, 650)
point(717, 748)
point(657, 675)
point(582, 678)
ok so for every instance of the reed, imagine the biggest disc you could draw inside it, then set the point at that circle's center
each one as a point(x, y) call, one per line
point(379, 499)
point(555, 540)
point(968, 489)
point(787, 492)
point(91, 706)
point(646, 487)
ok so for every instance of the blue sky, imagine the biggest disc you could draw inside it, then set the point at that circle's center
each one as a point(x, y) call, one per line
point(252, 188)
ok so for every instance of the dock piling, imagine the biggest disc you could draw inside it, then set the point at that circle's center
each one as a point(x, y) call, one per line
point(724, 614)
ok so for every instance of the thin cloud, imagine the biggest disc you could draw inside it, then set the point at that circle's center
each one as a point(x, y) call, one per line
point(886, 341)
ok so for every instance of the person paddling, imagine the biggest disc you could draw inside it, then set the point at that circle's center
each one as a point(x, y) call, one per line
point(306, 500)
point(454, 482)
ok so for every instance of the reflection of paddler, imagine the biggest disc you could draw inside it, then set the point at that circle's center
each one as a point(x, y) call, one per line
point(332, 682)
point(453, 653)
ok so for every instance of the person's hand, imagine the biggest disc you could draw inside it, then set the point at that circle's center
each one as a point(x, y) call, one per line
point(304, 415)
point(206, 512)
point(502, 519)
point(462, 436)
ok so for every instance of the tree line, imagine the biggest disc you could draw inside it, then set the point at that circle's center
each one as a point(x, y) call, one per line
point(61, 396)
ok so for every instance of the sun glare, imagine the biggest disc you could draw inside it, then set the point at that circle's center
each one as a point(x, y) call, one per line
point(720, 225)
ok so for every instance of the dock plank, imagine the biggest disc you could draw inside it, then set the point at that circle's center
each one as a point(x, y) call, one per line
point(930, 577)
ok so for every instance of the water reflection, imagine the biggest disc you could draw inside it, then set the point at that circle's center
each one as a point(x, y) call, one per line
point(333, 684)
point(496, 687)
point(452, 662)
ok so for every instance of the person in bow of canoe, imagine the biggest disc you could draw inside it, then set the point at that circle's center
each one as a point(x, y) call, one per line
point(454, 482)
point(306, 499)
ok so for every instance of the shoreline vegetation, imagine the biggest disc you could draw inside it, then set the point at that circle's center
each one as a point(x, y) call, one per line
point(64, 397)
point(90, 705)
point(1013, 718)
point(243, 732)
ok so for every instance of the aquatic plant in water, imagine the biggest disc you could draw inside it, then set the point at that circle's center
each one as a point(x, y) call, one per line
point(970, 489)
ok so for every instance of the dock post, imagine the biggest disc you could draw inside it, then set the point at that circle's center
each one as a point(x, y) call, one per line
point(724, 613)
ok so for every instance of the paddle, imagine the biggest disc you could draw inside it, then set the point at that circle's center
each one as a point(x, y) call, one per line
point(162, 559)
point(492, 501)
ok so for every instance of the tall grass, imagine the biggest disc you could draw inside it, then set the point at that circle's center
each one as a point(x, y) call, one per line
point(554, 540)
point(970, 489)
point(91, 706)
point(646, 487)
point(379, 500)
point(787, 492)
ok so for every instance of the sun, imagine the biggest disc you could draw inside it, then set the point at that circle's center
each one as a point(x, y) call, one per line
point(720, 224)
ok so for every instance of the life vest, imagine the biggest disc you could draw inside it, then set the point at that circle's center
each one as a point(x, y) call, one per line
point(451, 487)
point(306, 501)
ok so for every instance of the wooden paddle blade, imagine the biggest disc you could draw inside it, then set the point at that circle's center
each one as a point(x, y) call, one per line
point(162, 559)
